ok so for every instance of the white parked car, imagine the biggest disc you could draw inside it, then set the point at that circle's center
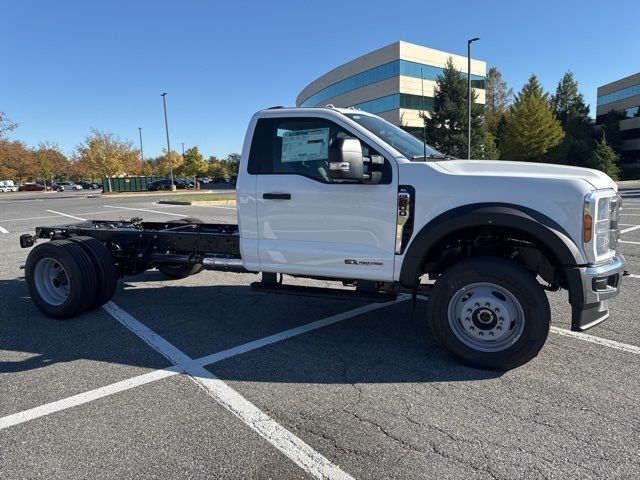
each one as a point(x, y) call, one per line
point(8, 186)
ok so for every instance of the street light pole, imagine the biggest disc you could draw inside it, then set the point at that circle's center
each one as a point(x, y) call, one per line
point(141, 152)
point(166, 126)
point(469, 42)
point(183, 149)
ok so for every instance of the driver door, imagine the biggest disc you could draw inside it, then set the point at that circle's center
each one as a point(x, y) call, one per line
point(311, 224)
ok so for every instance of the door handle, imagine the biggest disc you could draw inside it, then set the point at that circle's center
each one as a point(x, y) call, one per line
point(276, 196)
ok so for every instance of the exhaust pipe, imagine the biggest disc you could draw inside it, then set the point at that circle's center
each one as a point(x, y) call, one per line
point(224, 264)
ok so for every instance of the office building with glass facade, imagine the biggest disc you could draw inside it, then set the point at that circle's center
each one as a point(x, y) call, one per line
point(623, 96)
point(389, 82)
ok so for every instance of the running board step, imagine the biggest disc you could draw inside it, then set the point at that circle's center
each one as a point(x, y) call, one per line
point(335, 293)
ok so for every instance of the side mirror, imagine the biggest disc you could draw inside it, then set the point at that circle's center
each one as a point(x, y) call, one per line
point(345, 159)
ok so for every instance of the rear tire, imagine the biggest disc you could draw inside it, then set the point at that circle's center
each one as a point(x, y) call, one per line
point(489, 313)
point(60, 278)
point(182, 271)
point(106, 273)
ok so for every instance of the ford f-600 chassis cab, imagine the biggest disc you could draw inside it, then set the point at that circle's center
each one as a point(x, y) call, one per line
point(341, 194)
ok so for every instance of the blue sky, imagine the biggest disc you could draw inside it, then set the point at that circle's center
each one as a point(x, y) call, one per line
point(68, 66)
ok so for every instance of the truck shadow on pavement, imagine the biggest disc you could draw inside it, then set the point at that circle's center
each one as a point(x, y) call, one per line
point(381, 346)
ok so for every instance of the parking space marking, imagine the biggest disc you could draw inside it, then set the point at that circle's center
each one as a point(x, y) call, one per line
point(632, 275)
point(3, 230)
point(143, 379)
point(66, 215)
point(598, 340)
point(628, 241)
point(145, 210)
point(630, 229)
point(54, 216)
point(282, 439)
point(85, 397)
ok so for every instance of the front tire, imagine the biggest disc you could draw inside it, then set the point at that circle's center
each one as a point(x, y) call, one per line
point(489, 313)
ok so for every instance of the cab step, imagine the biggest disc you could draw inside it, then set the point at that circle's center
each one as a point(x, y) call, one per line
point(334, 293)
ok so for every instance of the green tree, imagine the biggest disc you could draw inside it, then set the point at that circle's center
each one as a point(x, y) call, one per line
point(447, 124)
point(573, 113)
point(489, 149)
point(50, 161)
point(498, 98)
point(166, 162)
point(232, 163)
point(531, 128)
point(604, 158)
point(610, 128)
point(193, 164)
point(104, 155)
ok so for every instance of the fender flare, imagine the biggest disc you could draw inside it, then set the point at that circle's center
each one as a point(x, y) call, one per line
point(533, 223)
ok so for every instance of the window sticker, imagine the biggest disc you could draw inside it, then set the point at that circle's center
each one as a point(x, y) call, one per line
point(304, 145)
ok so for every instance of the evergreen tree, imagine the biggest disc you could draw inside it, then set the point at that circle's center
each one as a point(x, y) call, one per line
point(531, 128)
point(498, 98)
point(605, 159)
point(489, 149)
point(611, 129)
point(573, 113)
point(447, 125)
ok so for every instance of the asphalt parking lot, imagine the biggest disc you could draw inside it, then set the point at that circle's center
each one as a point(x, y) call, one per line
point(203, 378)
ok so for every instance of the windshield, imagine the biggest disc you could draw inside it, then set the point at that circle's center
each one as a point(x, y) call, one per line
point(408, 145)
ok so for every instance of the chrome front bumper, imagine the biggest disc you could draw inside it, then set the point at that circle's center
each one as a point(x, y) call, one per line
point(599, 285)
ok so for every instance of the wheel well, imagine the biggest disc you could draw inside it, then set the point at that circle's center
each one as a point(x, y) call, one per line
point(509, 243)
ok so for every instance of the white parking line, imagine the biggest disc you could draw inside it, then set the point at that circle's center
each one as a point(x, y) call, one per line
point(286, 442)
point(54, 216)
point(3, 230)
point(66, 215)
point(145, 210)
point(630, 229)
point(633, 275)
point(597, 340)
point(628, 241)
point(143, 379)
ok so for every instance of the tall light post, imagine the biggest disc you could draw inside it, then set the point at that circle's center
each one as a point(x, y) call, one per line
point(183, 149)
point(166, 126)
point(141, 152)
point(469, 42)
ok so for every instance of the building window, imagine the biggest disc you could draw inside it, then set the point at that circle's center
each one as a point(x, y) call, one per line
point(380, 73)
point(619, 94)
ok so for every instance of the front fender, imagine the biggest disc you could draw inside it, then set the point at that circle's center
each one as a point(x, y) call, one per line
point(540, 227)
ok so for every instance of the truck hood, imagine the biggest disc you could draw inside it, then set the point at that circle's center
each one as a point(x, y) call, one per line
point(501, 168)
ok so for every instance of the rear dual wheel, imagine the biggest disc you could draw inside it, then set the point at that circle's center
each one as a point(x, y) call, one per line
point(67, 277)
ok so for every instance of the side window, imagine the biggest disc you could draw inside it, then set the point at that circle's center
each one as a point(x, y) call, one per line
point(300, 146)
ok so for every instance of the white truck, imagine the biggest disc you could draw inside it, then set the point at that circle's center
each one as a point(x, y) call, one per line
point(343, 195)
point(8, 186)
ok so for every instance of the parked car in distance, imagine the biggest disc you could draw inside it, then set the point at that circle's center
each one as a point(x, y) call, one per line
point(62, 186)
point(89, 186)
point(8, 186)
point(164, 184)
point(31, 187)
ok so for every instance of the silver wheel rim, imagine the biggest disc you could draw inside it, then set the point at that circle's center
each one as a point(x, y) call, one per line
point(486, 317)
point(51, 281)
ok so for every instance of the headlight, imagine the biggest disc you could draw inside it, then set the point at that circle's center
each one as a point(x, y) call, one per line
point(600, 225)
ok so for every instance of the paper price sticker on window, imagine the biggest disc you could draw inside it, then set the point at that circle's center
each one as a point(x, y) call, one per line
point(305, 145)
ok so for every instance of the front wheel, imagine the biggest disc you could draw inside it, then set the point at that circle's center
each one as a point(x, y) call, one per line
point(489, 313)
